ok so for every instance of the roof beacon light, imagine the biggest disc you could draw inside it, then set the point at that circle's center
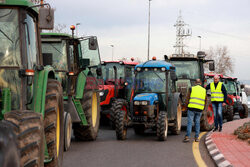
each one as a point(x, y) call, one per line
point(72, 27)
point(154, 58)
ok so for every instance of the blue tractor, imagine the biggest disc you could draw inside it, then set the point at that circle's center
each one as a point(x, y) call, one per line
point(156, 104)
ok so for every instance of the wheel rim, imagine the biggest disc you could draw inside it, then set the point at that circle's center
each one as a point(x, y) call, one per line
point(179, 115)
point(210, 119)
point(57, 130)
point(94, 109)
point(166, 127)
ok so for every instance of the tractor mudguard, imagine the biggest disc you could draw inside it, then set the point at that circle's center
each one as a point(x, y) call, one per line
point(81, 82)
point(40, 87)
point(69, 107)
point(173, 111)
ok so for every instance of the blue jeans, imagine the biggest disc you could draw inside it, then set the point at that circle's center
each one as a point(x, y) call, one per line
point(218, 118)
point(193, 116)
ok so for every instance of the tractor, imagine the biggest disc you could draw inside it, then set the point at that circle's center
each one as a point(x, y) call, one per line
point(156, 104)
point(189, 68)
point(31, 99)
point(72, 59)
point(116, 88)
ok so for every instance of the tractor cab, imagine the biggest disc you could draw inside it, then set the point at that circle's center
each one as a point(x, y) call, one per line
point(117, 84)
point(156, 104)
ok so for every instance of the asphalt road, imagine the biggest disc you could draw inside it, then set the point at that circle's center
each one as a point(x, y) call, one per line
point(136, 151)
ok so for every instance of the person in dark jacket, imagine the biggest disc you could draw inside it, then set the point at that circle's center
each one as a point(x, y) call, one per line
point(195, 101)
point(218, 99)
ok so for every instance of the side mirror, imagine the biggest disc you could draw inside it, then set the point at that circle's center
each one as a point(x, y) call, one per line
point(173, 76)
point(99, 71)
point(47, 59)
point(84, 63)
point(46, 18)
point(211, 66)
point(93, 43)
point(240, 94)
point(234, 94)
point(166, 58)
point(242, 86)
point(201, 54)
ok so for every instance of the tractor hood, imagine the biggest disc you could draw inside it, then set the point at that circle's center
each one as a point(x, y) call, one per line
point(151, 97)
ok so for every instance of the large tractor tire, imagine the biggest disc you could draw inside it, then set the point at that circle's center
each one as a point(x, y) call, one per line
point(176, 129)
point(91, 107)
point(9, 152)
point(162, 126)
point(117, 105)
point(229, 115)
point(28, 127)
point(67, 130)
point(54, 123)
point(207, 117)
point(244, 113)
point(121, 120)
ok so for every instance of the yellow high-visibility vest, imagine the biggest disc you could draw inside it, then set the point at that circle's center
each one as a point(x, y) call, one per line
point(197, 98)
point(216, 94)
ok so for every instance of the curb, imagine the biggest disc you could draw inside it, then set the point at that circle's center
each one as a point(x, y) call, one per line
point(215, 153)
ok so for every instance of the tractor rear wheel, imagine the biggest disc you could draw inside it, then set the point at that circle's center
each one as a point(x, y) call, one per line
point(91, 107)
point(67, 130)
point(28, 127)
point(162, 126)
point(244, 113)
point(9, 153)
point(54, 123)
point(229, 113)
point(207, 117)
point(176, 129)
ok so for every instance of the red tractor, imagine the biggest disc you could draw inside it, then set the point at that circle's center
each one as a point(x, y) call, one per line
point(233, 102)
point(116, 89)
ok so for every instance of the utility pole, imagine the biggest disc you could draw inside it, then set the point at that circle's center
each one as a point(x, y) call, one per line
point(77, 24)
point(149, 1)
point(200, 42)
point(112, 46)
point(181, 33)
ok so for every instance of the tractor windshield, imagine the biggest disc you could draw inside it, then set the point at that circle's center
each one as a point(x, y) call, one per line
point(109, 72)
point(92, 55)
point(9, 37)
point(59, 54)
point(187, 69)
point(230, 86)
point(150, 81)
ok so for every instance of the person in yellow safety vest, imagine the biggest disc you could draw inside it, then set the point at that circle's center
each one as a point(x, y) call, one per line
point(218, 99)
point(195, 102)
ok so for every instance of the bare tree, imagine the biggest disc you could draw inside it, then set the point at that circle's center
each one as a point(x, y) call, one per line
point(223, 61)
point(59, 28)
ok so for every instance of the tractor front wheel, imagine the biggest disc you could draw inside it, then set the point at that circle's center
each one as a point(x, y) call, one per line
point(162, 126)
point(120, 125)
point(244, 113)
point(229, 113)
point(207, 117)
point(91, 107)
point(54, 123)
point(176, 129)
point(9, 153)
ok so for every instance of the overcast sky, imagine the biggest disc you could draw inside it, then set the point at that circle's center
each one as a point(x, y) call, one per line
point(123, 23)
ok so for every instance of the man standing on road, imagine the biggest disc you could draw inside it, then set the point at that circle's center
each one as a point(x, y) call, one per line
point(218, 99)
point(196, 100)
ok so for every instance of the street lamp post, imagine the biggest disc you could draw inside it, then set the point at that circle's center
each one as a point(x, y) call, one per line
point(77, 24)
point(112, 46)
point(148, 26)
point(200, 42)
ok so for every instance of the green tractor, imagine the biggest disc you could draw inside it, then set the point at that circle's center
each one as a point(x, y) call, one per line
point(156, 104)
point(189, 68)
point(72, 59)
point(31, 99)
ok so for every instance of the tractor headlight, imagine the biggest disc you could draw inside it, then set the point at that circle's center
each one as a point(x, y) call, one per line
point(146, 69)
point(163, 69)
point(136, 103)
point(144, 103)
point(138, 69)
point(101, 93)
